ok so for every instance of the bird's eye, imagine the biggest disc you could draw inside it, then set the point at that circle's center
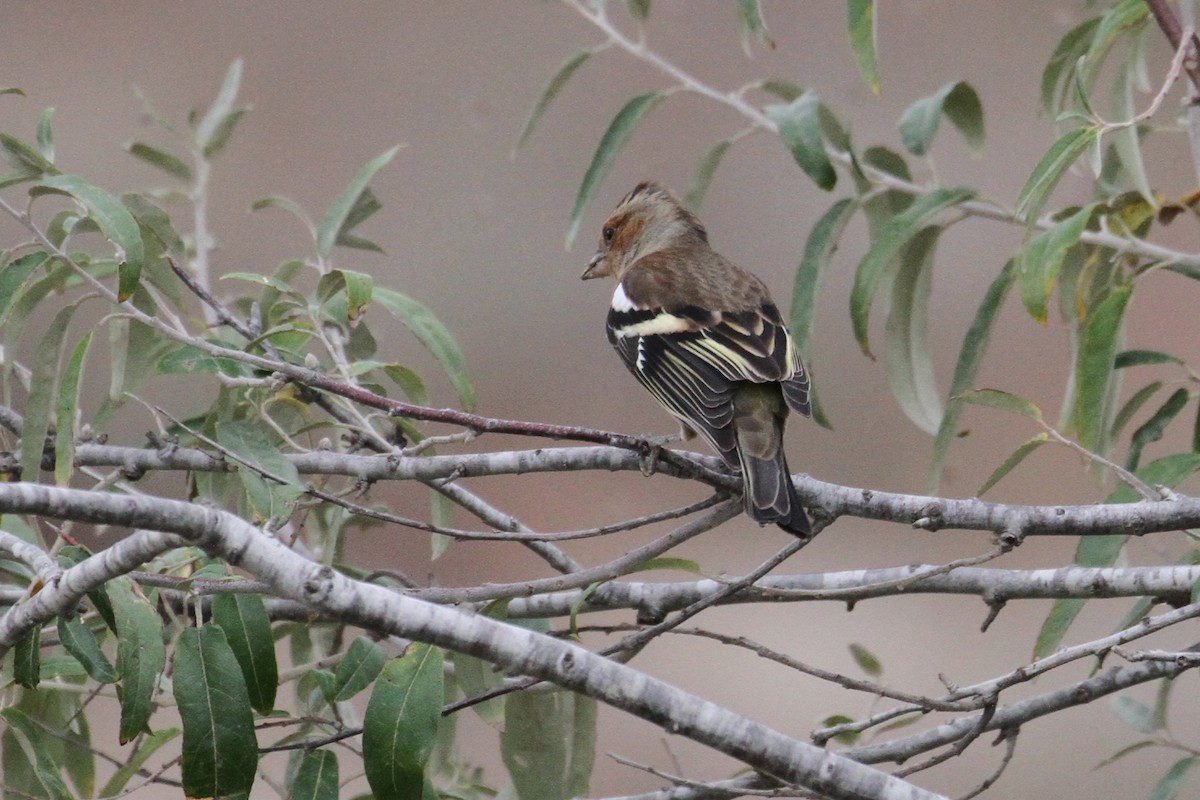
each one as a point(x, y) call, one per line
point(609, 232)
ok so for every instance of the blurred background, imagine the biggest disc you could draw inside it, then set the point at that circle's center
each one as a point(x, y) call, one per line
point(478, 236)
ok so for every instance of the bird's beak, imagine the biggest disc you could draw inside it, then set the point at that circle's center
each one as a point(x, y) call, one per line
point(597, 267)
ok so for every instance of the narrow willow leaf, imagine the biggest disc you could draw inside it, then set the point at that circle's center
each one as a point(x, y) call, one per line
point(1101, 551)
point(1133, 713)
point(1124, 751)
point(42, 393)
point(318, 776)
point(556, 84)
point(65, 411)
point(970, 356)
point(861, 20)
point(614, 138)
point(13, 277)
point(750, 23)
point(1042, 259)
point(1131, 407)
point(146, 748)
point(1094, 368)
point(787, 91)
point(250, 443)
point(430, 331)
point(1060, 68)
point(867, 661)
point(1049, 171)
point(666, 562)
point(1118, 20)
point(694, 199)
point(220, 751)
point(638, 9)
point(215, 117)
point(548, 744)
point(114, 221)
point(799, 126)
point(1171, 783)
point(409, 382)
point(27, 659)
point(959, 102)
point(81, 643)
point(822, 241)
point(1010, 463)
point(364, 207)
point(358, 293)
point(141, 655)
point(334, 223)
point(1004, 401)
point(476, 677)
point(1127, 140)
point(222, 134)
point(361, 665)
point(401, 722)
point(36, 748)
point(1152, 429)
point(908, 355)
point(893, 235)
point(168, 163)
point(45, 134)
point(243, 618)
point(1137, 358)
point(25, 158)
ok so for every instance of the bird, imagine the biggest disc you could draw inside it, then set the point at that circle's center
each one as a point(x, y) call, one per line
point(705, 338)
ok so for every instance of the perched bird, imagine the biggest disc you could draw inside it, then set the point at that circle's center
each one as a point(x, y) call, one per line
point(704, 336)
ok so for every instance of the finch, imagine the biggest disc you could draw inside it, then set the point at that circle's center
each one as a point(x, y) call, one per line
point(704, 336)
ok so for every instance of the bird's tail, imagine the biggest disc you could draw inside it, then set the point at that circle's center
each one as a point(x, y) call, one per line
point(769, 494)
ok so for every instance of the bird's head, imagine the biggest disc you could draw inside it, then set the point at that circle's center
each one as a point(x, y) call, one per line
point(646, 220)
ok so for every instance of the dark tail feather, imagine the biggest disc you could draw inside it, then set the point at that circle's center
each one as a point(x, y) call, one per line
point(769, 494)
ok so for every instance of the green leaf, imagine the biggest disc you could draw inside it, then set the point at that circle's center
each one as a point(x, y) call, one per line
point(638, 9)
point(68, 403)
point(1004, 401)
point(822, 241)
point(27, 659)
point(1061, 66)
point(477, 676)
point(1049, 171)
point(318, 776)
point(42, 393)
point(339, 219)
point(147, 747)
point(1135, 714)
point(114, 221)
point(401, 722)
point(215, 121)
point(361, 665)
point(35, 745)
point(1121, 18)
point(25, 158)
point(959, 102)
point(861, 18)
point(893, 235)
point(13, 277)
point(224, 130)
point(243, 618)
point(750, 23)
point(81, 643)
point(1101, 551)
point(220, 752)
point(1010, 463)
point(694, 199)
point(666, 562)
point(1124, 751)
point(161, 159)
point(548, 744)
point(799, 125)
point(249, 442)
point(1131, 407)
point(1137, 358)
point(970, 356)
point(866, 660)
point(1094, 368)
point(908, 355)
point(358, 293)
point(556, 84)
point(618, 133)
point(433, 334)
point(141, 655)
point(1127, 140)
point(1169, 785)
point(1152, 429)
point(45, 134)
point(1042, 259)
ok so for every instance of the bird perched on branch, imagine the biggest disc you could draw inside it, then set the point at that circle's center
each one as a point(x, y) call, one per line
point(704, 336)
